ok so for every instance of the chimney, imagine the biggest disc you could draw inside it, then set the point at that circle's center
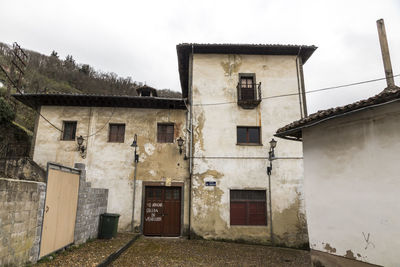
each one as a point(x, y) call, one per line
point(385, 55)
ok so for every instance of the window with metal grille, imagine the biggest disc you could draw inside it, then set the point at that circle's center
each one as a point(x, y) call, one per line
point(247, 86)
point(69, 130)
point(117, 133)
point(248, 135)
point(165, 133)
point(248, 207)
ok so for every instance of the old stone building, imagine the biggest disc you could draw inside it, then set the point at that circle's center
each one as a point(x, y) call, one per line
point(108, 125)
point(215, 184)
point(235, 100)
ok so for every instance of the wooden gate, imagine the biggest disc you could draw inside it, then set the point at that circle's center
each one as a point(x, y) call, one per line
point(60, 208)
point(162, 211)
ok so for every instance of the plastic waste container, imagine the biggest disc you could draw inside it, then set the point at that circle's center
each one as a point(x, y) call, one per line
point(108, 225)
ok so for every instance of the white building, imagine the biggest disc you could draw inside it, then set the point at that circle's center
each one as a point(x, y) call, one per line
point(231, 104)
point(352, 186)
point(235, 104)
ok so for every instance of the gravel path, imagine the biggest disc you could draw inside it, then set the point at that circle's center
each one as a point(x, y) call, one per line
point(183, 252)
point(89, 254)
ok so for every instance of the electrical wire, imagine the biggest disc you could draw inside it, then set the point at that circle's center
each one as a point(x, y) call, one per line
point(206, 104)
point(41, 115)
point(295, 94)
point(87, 136)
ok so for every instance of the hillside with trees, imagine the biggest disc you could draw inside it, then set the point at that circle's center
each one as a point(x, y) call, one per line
point(51, 74)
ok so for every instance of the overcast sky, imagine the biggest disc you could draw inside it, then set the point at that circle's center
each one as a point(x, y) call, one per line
point(138, 38)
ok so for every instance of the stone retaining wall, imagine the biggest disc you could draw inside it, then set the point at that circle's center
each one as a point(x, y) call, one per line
point(22, 169)
point(21, 216)
point(21, 213)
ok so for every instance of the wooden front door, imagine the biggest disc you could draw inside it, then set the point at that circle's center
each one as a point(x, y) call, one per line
point(162, 211)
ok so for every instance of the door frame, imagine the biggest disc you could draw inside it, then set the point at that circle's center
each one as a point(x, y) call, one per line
point(162, 184)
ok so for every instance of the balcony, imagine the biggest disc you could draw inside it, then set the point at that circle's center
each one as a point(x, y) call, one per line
point(249, 95)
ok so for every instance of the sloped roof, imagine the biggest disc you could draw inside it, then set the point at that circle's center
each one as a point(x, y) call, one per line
point(91, 100)
point(294, 129)
point(146, 87)
point(185, 49)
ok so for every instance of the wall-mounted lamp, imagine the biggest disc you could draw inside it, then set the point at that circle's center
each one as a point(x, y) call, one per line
point(271, 154)
point(180, 145)
point(134, 144)
point(81, 147)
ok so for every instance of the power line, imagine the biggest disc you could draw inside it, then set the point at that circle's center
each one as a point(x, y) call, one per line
point(17, 49)
point(87, 136)
point(295, 94)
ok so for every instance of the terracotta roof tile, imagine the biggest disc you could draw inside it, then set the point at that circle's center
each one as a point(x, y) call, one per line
point(293, 130)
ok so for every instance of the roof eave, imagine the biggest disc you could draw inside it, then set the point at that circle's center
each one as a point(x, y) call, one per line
point(185, 49)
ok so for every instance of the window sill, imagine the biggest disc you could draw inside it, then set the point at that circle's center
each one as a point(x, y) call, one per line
point(248, 144)
point(115, 142)
point(68, 140)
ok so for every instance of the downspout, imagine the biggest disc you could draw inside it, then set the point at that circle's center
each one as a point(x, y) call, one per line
point(190, 95)
point(298, 82)
point(303, 88)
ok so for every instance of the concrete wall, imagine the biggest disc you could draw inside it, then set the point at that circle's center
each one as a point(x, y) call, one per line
point(352, 185)
point(214, 79)
point(110, 165)
point(21, 211)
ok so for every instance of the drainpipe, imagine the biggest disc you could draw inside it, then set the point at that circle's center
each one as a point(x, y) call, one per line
point(190, 95)
point(298, 82)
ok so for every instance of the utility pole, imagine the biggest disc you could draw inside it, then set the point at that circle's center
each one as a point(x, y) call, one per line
point(385, 54)
point(18, 66)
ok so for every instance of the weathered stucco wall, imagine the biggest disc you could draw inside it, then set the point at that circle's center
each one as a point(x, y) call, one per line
point(214, 79)
point(110, 165)
point(352, 185)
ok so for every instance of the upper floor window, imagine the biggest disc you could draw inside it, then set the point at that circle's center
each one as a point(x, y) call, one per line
point(249, 92)
point(248, 207)
point(117, 133)
point(69, 130)
point(247, 84)
point(248, 135)
point(165, 132)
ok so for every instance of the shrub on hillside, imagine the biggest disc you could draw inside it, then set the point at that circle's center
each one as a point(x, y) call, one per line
point(7, 114)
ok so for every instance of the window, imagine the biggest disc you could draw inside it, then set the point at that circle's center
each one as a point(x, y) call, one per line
point(69, 130)
point(117, 133)
point(247, 82)
point(165, 133)
point(248, 207)
point(248, 135)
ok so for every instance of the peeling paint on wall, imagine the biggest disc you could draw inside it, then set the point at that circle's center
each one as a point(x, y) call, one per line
point(111, 165)
point(214, 81)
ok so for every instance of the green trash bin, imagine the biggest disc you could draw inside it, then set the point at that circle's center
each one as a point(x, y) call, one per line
point(108, 225)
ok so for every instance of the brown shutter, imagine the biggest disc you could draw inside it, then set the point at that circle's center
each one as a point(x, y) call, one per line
point(238, 213)
point(256, 214)
point(121, 133)
point(170, 133)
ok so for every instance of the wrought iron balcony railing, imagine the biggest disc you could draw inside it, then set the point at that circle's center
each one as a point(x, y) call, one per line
point(249, 95)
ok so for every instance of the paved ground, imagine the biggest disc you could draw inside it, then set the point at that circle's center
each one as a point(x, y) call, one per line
point(88, 254)
point(182, 252)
